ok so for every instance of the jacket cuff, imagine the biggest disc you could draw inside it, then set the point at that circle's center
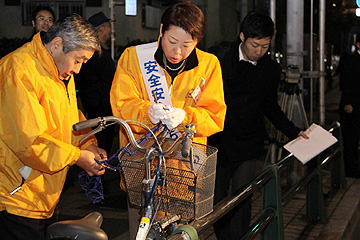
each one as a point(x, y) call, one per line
point(76, 156)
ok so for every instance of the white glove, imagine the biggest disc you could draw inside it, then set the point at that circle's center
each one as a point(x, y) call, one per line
point(156, 112)
point(173, 117)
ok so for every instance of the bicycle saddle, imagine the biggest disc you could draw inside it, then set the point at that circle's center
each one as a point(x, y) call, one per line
point(87, 228)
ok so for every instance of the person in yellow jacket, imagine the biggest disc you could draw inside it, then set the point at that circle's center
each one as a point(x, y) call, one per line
point(191, 77)
point(37, 110)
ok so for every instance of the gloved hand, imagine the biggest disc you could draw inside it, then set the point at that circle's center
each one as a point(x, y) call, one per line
point(173, 117)
point(156, 112)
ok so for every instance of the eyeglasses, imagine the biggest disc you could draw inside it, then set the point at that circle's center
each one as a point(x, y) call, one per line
point(42, 19)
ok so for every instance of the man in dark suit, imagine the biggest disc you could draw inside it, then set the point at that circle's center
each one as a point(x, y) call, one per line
point(94, 81)
point(349, 109)
point(251, 81)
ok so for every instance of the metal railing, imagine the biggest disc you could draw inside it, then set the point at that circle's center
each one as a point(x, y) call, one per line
point(270, 223)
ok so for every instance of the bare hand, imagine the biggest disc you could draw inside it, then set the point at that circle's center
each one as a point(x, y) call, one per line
point(100, 154)
point(348, 108)
point(303, 134)
point(86, 161)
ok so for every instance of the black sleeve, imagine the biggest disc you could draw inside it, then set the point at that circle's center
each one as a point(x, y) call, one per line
point(106, 75)
point(271, 109)
point(94, 82)
point(350, 77)
point(220, 50)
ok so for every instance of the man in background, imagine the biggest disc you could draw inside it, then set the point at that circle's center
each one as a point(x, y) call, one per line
point(349, 109)
point(251, 80)
point(42, 19)
point(94, 81)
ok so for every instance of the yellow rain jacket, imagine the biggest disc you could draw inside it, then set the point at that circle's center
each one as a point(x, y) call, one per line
point(37, 112)
point(130, 101)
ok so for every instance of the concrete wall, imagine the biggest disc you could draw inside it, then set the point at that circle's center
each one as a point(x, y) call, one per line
point(221, 18)
point(10, 19)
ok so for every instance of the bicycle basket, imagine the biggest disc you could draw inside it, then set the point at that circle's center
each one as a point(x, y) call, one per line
point(186, 192)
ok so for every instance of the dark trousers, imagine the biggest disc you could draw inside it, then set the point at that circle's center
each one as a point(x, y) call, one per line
point(235, 223)
point(13, 227)
point(350, 126)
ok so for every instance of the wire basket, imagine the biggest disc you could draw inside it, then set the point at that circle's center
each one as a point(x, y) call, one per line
point(186, 192)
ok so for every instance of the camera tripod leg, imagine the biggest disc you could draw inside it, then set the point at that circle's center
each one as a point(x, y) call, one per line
point(288, 100)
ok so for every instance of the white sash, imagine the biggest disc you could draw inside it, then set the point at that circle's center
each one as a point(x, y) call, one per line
point(153, 74)
point(154, 79)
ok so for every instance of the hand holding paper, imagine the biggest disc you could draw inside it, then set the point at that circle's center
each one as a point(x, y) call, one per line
point(306, 149)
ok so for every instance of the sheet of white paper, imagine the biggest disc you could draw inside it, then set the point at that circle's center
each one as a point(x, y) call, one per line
point(306, 149)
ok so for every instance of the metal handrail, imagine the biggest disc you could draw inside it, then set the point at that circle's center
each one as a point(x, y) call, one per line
point(260, 224)
point(268, 214)
point(291, 192)
point(230, 202)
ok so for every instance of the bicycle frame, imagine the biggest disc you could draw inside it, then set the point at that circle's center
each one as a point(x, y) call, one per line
point(149, 182)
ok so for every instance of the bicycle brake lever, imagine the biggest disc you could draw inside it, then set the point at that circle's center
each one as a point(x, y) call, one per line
point(187, 140)
point(99, 128)
point(93, 132)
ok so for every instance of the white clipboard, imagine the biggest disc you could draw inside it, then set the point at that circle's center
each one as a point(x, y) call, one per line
point(306, 149)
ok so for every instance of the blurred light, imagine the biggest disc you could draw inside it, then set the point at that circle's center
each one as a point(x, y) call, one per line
point(353, 48)
point(130, 7)
point(358, 3)
point(358, 12)
point(334, 4)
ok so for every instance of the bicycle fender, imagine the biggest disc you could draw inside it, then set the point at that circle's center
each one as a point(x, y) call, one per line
point(190, 231)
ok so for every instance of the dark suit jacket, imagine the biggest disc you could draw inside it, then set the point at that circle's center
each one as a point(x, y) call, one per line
point(94, 82)
point(250, 93)
point(350, 81)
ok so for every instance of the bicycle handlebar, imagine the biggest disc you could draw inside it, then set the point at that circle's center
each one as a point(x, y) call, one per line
point(87, 124)
point(101, 121)
point(189, 134)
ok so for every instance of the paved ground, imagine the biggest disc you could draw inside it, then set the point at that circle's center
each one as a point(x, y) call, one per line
point(342, 205)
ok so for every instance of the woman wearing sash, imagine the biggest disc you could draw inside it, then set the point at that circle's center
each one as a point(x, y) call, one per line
point(170, 80)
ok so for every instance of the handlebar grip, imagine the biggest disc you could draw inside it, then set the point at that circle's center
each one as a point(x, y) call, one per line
point(185, 150)
point(86, 124)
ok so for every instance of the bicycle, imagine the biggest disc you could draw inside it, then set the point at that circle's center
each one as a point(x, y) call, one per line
point(183, 191)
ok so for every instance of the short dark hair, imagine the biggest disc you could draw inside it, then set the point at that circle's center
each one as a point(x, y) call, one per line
point(42, 8)
point(257, 25)
point(187, 16)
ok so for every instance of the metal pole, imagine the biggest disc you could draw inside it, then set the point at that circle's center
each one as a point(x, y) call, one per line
point(112, 4)
point(295, 47)
point(322, 9)
point(273, 17)
point(295, 34)
point(311, 58)
point(112, 17)
point(243, 9)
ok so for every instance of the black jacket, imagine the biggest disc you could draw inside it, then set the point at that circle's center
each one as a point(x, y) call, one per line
point(350, 82)
point(94, 82)
point(250, 93)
